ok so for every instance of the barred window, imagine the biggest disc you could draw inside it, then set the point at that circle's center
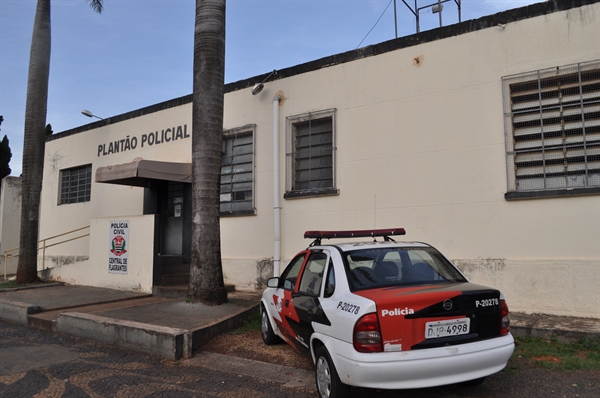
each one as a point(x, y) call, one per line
point(552, 125)
point(237, 172)
point(311, 155)
point(76, 185)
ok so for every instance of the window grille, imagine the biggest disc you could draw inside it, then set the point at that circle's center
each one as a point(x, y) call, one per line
point(311, 154)
point(76, 185)
point(237, 172)
point(552, 124)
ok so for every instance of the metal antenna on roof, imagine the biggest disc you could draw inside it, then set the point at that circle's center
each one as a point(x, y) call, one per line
point(435, 8)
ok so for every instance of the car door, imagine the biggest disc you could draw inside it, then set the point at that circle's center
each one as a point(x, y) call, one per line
point(306, 299)
point(282, 299)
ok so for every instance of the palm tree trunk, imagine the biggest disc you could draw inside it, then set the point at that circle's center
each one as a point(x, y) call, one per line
point(206, 272)
point(34, 142)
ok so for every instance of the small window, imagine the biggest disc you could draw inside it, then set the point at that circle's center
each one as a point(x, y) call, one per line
point(237, 172)
point(552, 124)
point(330, 281)
point(290, 274)
point(311, 155)
point(76, 185)
point(312, 277)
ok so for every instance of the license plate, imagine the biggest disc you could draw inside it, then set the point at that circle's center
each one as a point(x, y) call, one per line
point(451, 327)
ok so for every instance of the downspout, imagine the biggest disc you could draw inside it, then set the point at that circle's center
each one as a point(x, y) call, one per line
point(276, 196)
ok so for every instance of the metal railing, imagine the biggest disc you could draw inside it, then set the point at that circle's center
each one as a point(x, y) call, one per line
point(44, 246)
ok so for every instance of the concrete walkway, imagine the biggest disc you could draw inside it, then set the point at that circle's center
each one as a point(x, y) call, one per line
point(174, 328)
point(170, 328)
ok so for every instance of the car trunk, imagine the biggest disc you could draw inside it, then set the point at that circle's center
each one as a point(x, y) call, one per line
point(429, 316)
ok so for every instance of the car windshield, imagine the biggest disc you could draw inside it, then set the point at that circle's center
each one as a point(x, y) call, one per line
point(385, 267)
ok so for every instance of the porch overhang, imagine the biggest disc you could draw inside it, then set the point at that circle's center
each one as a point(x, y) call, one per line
point(141, 173)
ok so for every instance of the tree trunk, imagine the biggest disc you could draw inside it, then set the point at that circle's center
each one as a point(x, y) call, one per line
point(34, 142)
point(206, 272)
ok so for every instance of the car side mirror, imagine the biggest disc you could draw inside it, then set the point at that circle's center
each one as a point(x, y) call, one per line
point(273, 282)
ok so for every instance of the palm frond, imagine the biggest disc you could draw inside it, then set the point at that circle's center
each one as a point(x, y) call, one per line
point(97, 5)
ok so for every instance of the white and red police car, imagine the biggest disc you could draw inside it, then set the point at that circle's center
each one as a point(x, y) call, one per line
point(387, 315)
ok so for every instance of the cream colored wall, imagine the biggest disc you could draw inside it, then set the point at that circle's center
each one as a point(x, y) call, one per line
point(420, 145)
point(561, 286)
point(94, 272)
point(423, 146)
point(10, 220)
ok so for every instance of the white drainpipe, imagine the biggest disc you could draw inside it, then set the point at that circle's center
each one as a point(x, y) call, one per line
point(276, 195)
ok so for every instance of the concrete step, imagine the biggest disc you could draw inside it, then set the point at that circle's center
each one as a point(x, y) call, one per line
point(171, 292)
point(47, 320)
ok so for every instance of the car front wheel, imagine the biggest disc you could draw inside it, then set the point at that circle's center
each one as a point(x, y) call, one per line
point(268, 335)
point(328, 381)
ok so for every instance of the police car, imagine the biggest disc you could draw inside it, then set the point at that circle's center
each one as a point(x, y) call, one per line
point(385, 314)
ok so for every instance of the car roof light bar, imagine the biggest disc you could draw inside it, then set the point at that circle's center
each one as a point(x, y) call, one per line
point(364, 233)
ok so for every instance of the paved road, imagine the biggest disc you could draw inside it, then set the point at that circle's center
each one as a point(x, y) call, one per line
point(43, 364)
point(36, 363)
point(527, 382)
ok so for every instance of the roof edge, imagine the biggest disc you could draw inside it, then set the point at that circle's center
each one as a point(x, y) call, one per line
point(473, 25)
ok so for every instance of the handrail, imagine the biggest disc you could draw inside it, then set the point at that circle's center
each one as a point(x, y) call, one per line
point(44, 246)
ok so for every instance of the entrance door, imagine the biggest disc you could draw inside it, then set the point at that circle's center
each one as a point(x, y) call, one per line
point(175, 206)
point(173, 221)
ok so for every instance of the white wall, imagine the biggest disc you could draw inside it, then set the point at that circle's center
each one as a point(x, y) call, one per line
point(94, 272)
point(10, 221)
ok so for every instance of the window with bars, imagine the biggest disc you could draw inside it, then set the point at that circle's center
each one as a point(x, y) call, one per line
point(552, 124)
point(311, 155)
point(76, 185)
point(237, 172)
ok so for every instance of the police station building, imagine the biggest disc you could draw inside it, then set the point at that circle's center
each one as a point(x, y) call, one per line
point(480, 138)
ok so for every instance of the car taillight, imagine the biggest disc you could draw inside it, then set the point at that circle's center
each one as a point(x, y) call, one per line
point(505, 321)
point(367, 334)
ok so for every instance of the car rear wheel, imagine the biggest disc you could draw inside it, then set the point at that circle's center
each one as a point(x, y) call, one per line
point(268, 335)
point(328, 381)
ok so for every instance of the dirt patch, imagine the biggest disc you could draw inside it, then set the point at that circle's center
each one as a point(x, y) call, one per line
point(582, 354)
point(547, 358)
point(249, 345)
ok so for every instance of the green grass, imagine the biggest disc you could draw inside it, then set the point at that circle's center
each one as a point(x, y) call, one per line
point(12, 284)
point(251, 325)
point(550, 354)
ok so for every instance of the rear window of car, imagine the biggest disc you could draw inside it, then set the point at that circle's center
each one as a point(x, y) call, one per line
point(385, 267)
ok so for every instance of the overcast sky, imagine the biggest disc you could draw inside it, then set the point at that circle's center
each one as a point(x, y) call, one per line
point(139, 52)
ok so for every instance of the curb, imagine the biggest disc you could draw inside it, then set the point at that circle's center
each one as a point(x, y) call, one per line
point(16, 311)
point(166, 342)
point(163, 341)
point(564, 329)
